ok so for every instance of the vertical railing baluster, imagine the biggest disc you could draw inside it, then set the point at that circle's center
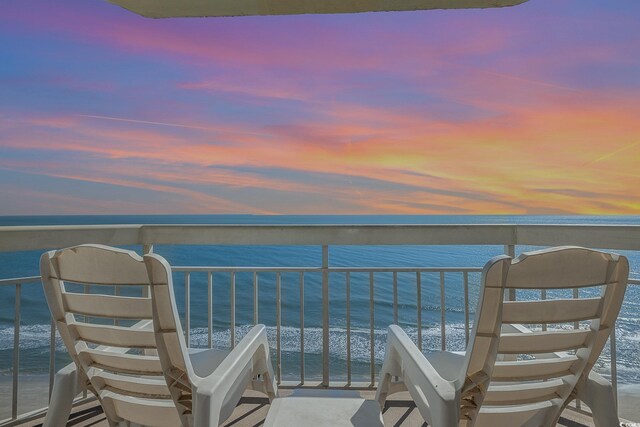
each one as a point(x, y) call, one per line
point(255, 297)
point(85, 319)
point(325, 315)
point(278, 324)
point(348, 328)
point(85, 289)
point(614, 362)
point(301, 327)
point(576, 325)
point(576, 295)
point(395, 297)
point(16, 353)
point(419, 307)
point(465, 278)
point(371, 329)
point(442, 314)
point(510, 250)
point(187, 308)
point(116, 292)
point(543, 296)
point(146, 249)
point(210, 308)
point(232, 297)
point(52, 356)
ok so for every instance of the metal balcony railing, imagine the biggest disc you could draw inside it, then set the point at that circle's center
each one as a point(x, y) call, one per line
point(324, 277)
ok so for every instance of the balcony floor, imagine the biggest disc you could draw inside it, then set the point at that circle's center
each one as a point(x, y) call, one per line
point(252, 410)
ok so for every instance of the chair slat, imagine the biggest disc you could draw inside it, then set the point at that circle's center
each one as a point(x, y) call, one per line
point(114, 335)
point(99, 265)
point(551, 311)
point(542, 341)
point(133, 385)
point(148, 412)
point(108, 306)
point(128, 363)
point(565, 268)
point(529, 392)
point(522, 370)
point(527, 414)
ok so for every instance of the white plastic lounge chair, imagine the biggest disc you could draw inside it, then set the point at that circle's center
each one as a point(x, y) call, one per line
point(111, 340)
point(209, 392)
point(519, 377)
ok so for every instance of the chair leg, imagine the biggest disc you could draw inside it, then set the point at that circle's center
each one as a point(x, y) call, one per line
point(66, 386)
point(598, 394)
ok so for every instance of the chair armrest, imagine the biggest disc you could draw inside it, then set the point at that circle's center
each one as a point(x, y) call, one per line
point(437, 399)
point(210, 393)
point(67, 384)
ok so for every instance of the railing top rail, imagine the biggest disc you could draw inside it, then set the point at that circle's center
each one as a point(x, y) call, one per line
point(185, 269)
point(226, 269)
point(24, 238)
point(598, 236)
point(19, 280)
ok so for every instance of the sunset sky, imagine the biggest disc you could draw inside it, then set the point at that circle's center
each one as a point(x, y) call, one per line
point(533, 109)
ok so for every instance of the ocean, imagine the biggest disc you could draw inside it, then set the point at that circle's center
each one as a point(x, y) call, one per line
point(35, 332)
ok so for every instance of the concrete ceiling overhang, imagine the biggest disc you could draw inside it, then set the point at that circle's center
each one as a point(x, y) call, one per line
point(203, 8)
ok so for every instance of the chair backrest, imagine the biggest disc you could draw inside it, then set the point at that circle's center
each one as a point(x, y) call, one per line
point(98, 298)
point(172, 348)
point(483, 341)
point(552, 337)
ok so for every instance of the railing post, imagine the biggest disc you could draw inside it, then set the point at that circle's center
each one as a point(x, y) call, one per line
point(465, 278)
point(255, 298)
point(443, 319)
point(232, 297)
point(395, 297)
point(187, 308)
point(210, 308)
point(348, 279)
point(52, 357)
point(278, 326)
point(419, 307)
point(16, 353)
point(614, 363)
point(325, 316)
point(510, 250)
point(301, 328)
point(146, 249)
point(372, 336)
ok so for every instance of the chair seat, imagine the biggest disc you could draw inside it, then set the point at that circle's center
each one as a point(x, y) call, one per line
point(324, 411)
point(447, 363)
point(206, 360)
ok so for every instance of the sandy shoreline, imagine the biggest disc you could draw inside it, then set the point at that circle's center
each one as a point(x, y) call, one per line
point(33, 393)
point(629, 401)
